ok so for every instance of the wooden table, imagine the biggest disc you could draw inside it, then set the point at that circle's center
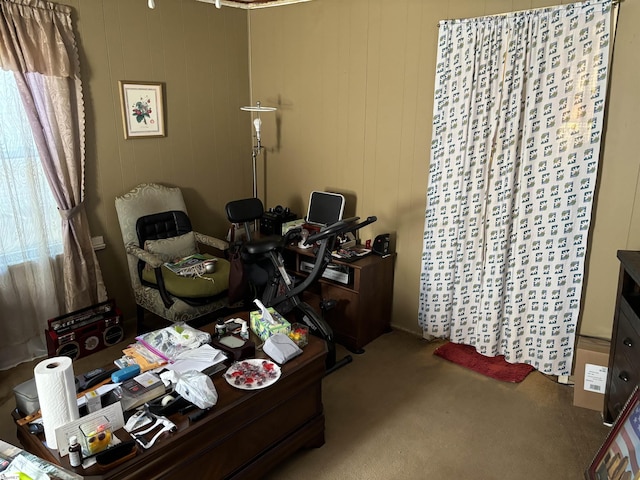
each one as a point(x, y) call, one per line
point(243, 436)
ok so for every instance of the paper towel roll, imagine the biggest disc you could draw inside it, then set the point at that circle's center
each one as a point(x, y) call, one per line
point(55, 383)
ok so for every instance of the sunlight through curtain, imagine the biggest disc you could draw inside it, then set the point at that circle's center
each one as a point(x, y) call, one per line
point(30, 236)
point(517, 123)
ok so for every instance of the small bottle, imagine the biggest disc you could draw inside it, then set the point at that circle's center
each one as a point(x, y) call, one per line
point(75, 454)
point(244, 331)
point(221, 329)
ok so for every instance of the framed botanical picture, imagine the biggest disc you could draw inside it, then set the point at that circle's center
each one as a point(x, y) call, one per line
point(619, 456)
point(142, 109)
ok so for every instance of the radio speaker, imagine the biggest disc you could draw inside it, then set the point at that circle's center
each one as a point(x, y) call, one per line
point(272, 220)
point(85, 331)
point(381, 244)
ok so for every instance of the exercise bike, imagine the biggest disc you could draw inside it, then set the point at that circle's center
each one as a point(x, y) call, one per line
point(270, 282)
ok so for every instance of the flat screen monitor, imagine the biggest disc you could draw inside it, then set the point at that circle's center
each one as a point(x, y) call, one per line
point(325, 208)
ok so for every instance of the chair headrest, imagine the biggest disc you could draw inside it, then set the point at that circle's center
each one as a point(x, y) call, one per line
point(244, 210)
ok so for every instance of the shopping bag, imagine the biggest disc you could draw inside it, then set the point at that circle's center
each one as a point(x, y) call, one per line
point(237, 276)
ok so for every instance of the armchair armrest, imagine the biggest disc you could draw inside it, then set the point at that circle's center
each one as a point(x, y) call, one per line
point(156, 263)
point(211, 241)
point(151, 259)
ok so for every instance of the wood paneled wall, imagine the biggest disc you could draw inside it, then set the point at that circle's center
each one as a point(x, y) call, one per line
point(353, 80)
point(200, 54)
point(354, 83)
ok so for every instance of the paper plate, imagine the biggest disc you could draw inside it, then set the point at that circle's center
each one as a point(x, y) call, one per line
point(252, 374)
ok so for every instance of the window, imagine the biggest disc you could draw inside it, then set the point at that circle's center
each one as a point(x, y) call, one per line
point(30, 226)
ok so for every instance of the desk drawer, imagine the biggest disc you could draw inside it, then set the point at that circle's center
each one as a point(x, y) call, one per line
point(625, 373)
point(627, 341)
point(624, 379)
point(629, 306)
point(341, 316)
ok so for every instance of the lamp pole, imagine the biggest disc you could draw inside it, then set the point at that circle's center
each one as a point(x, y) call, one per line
point(254, 163)
point(257, 125)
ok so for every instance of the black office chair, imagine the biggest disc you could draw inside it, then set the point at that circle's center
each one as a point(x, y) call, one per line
point(265, 266)
point(258, 253)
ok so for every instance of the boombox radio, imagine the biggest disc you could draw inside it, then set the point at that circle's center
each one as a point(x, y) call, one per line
point(272, 220)
point(86, 331)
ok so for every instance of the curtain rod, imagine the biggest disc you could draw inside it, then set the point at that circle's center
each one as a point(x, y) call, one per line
point(613, 3)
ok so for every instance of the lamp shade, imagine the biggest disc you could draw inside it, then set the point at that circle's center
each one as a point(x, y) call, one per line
point(258, 108)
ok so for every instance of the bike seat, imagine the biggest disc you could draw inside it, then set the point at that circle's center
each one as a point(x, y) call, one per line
point(263, 245)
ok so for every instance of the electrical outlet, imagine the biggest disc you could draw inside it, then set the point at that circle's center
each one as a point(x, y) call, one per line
point(98, 243)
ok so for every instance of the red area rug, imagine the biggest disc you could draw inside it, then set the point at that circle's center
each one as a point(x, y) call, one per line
point(494, 367)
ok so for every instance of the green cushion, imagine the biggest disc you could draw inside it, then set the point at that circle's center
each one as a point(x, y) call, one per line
point(207, 285)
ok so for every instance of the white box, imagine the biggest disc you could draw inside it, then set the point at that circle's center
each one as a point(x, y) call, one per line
point(590, 372)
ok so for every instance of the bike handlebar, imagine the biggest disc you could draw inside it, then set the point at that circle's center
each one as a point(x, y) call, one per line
point(339, 227)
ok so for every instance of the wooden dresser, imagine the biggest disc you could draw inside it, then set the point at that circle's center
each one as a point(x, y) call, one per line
point(624, 360)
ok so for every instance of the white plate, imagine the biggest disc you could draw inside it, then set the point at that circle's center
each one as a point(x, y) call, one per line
point(252, 374)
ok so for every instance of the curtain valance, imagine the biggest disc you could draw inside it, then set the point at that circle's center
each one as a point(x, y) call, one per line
point(37, 36)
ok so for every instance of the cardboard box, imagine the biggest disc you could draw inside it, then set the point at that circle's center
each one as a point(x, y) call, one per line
point(264, 329)
point(590, 373)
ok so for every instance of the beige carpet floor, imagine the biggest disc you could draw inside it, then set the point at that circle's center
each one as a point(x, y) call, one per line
point(400, 412)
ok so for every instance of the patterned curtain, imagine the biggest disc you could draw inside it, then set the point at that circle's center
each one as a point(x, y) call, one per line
point(517, 123)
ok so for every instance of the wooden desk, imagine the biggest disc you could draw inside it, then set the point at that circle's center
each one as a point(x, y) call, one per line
point(243, 436)
point(363, 304)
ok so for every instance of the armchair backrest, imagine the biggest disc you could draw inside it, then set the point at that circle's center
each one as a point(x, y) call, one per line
point(143, 200)
point(162, 225)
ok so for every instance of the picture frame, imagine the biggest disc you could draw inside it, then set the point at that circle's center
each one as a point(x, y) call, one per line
point(142, 105)
point(619, 456)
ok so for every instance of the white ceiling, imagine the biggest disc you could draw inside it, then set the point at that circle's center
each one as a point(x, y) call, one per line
point(248, 4)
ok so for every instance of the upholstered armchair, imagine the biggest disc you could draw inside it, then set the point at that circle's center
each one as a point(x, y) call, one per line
point(155, 230)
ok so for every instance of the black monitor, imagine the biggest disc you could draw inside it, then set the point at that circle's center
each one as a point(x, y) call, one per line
point(325, 208)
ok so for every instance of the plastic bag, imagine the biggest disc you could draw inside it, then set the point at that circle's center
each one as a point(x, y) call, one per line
point(171, 341)
point(194, 386)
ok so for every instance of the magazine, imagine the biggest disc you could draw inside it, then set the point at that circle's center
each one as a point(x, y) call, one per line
point(192, 265)
point(351, 254)
point(15, 460)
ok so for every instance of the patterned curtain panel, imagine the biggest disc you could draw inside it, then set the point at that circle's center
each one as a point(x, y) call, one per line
point(517, 123)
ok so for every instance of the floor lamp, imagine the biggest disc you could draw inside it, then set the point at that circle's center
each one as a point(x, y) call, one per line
point(257, 125)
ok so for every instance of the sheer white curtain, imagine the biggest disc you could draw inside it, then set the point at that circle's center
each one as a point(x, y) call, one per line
point(30, 237)
point(518, 113)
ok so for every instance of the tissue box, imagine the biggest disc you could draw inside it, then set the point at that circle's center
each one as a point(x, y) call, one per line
point(264, 329)
point(26, 396)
